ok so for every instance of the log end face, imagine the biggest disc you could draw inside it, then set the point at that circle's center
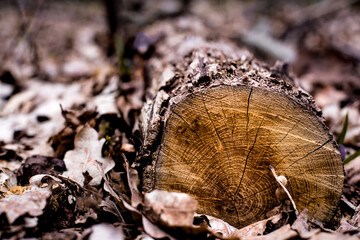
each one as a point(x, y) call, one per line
point(218, 144)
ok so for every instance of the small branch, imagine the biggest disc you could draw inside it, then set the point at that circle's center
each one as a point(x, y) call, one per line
point(132, 177)
point(284, 188)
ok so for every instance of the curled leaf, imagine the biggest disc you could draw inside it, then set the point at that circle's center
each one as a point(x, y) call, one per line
point(85, 157)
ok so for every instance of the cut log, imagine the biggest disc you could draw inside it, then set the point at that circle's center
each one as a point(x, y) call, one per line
point(216, 119)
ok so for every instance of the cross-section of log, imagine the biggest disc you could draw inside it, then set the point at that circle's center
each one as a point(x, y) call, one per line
point(215, 123)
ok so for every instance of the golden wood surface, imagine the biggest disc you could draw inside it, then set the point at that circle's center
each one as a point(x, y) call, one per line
point(218, 144)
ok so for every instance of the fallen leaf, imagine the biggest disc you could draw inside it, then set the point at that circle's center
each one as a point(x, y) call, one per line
point(133, 181)
point(283, 233)
point(346, 227)
point(127, 147)
point(153, 230)
point(219, 226)
point(254, 229)
point(31, 202)
point(89, 214)
point(106, 231)
point(355, 220)
point(105, 102)
point(333, 236)
point(64, 234)
point(7, 179)
point(85, 157)
point(352, 171)
point(170, 208)
point(302, 226)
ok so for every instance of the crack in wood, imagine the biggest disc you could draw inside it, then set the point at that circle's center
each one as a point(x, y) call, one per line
point(247, 157)
point(309, 153)
point(247, 138)
point(188, 125)
point(246, 160)
point(287, 133)
point(247, 114)
point(217, 133)
point(284, 158)
point(226, 152)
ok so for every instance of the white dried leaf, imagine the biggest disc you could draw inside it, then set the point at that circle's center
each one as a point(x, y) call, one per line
point(171, 208)
point(153, 230)
point(106, 104)
point(221, 226)
point(36, 179)
point(127, 147)
point(106, 231)
point(333, 236)
point(345, 226)
point(86, 157)
point(11, 165)
point(7, 179)
point(30, 202)
point(77, 67)
point(355, 220)
point(254, 229)
point(303, 227)
point(283, 233)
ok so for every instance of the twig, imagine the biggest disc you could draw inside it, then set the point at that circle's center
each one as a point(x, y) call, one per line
point(348, 203)
point(136, 197)
point(284, 188)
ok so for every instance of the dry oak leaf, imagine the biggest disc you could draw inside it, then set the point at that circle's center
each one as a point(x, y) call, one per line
point(7, 180)
point(86, 157)
point(171, 208)
point(219, 226)
point(283, 233)
point(106, 231)
point(30, 202)
point(255, 229)
point(303, 227)
point(333, 236)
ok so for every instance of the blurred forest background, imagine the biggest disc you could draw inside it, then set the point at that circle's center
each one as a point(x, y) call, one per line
point(64, 64)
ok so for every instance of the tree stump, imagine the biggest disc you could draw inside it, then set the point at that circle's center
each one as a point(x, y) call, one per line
point(216, 119)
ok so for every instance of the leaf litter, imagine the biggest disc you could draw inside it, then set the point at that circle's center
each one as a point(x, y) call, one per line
point(67, 116)
point(85, 157)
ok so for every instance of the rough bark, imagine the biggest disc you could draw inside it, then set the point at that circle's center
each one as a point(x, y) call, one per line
point(215, 119)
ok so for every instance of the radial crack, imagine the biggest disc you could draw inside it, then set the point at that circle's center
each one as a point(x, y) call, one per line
point(309, 153)
point(247, 112)
point(287, 133)
point(187, 124)
point(226, 152)
point(247, 157)
point(217, 133)
point(204, 143)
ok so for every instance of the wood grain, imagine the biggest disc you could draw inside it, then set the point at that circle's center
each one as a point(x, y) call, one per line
point(214, 120)
point(218, 145)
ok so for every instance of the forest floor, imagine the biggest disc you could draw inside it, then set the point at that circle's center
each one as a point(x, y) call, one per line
point(69, 107)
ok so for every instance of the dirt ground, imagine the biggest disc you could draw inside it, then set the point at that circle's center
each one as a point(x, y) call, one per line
point(72, 84)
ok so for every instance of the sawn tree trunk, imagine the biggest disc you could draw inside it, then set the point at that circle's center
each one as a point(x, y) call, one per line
point(216, 119)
